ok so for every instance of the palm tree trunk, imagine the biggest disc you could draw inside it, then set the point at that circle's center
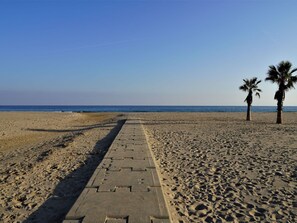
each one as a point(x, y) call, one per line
point(279, 119)
point(248, 113)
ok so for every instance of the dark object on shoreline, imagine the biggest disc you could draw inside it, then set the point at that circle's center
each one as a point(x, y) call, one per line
point(251, 86)
point(283, 76)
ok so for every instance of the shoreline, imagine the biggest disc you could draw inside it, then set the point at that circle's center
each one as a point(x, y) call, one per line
point(143, 109)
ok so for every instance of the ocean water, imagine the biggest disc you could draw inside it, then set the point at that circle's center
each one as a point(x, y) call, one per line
point(144, 108)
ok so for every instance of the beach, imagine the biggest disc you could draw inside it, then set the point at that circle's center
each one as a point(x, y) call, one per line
point(46, 160)
point(213, 167)
point(216, 167)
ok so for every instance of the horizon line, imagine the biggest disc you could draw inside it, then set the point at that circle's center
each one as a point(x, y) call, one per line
point(157, 105)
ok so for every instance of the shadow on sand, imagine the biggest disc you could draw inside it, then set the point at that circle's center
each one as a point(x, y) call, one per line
point(54, 209)
point(81, 128)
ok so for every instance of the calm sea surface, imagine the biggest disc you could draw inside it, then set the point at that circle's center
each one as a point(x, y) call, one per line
point(144, 108)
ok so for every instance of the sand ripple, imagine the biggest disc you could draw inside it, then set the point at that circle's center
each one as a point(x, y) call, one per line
point(226, 171)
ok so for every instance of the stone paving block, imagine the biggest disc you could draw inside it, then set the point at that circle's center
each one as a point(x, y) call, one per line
point(119, 153)
point(130, 142)
point(105, 163)
point(137, 207)
point(132, 163)
point(107, 180)
point(131, 148)
point(137, 134)
point(136, 154)
point(117, 220)
point(127, 155)
point(130, 136)
point(99, 174)
point(125, 187)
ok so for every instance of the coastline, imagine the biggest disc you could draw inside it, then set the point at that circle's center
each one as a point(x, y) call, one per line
point(141, 108)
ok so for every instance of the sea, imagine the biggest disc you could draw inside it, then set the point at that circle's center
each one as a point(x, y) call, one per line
point(127, 108)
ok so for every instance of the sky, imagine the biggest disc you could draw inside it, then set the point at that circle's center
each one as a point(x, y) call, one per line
point(142, 52)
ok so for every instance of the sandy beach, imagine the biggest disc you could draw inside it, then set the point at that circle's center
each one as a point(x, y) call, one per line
point(148, 111)
point(46, 160)
point(214, 167)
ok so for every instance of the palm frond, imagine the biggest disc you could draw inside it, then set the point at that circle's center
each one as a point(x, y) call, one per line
point(294, 79)
point(294, 70)
point(251, 85)
point(257, 94)
point(258, 82)
point(253, 80)
point(273, 74)
point(291, 82)
point(284, 67)
point(246, 81)
point(243, 88)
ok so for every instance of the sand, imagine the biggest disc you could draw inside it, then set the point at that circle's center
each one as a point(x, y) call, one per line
point(46, 159)
point(216, 167)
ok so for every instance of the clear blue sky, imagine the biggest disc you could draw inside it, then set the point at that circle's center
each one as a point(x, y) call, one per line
point(142, 52)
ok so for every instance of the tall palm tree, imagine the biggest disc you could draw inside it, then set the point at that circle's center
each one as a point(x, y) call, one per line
point(283, 76)
point(250, 86)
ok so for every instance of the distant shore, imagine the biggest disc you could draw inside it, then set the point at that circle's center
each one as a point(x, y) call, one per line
point(126, 108)
point(213, 165)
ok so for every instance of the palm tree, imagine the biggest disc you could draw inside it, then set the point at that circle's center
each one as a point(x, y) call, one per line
point(250, 86)
point(283, 76)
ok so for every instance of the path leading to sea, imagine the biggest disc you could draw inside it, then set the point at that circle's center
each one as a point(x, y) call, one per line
point(125, 187)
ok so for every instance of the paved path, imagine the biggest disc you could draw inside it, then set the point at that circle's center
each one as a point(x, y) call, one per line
point(125, 187)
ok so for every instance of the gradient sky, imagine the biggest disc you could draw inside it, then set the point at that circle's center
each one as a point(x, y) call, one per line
point(142, 52)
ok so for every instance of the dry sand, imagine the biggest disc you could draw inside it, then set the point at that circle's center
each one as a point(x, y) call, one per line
point(46, 160)
point(216, 167)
